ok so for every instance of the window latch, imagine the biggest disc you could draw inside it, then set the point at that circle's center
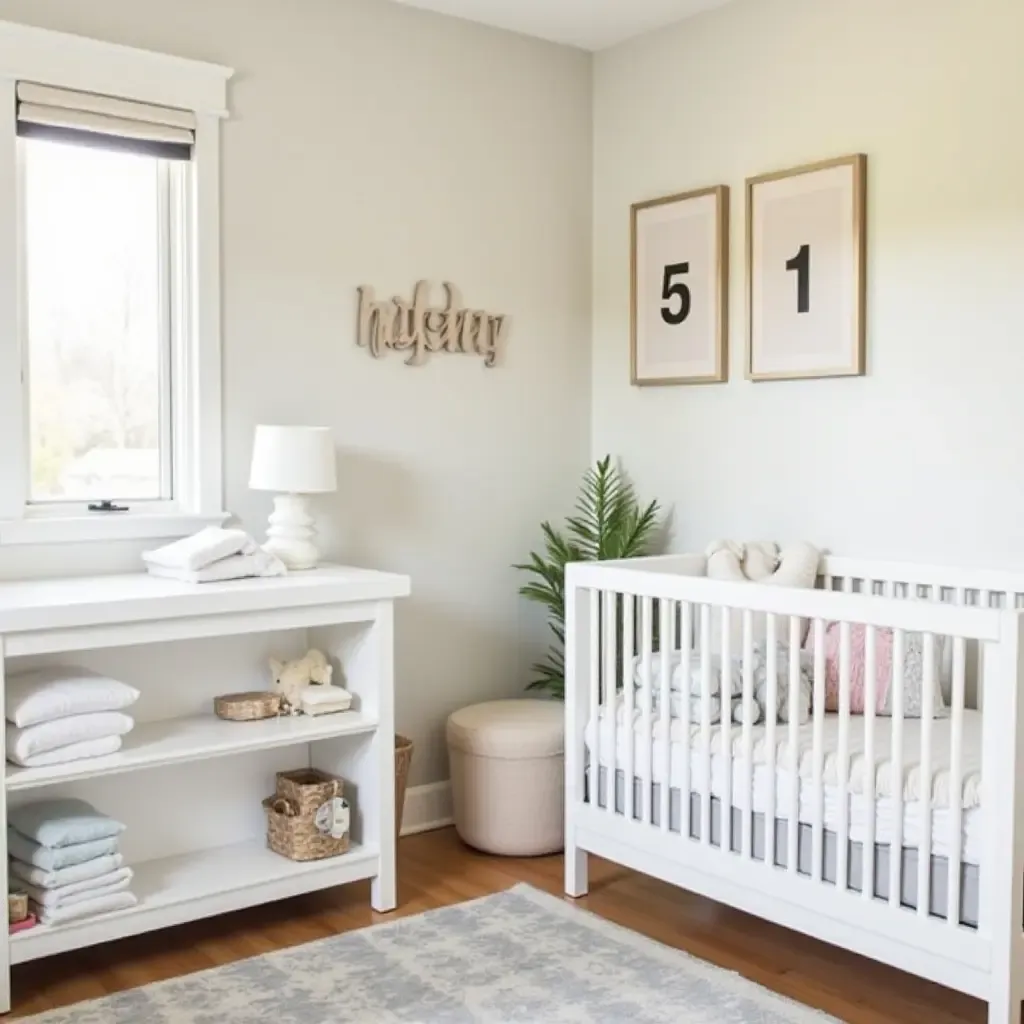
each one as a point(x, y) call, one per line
point(107, 506)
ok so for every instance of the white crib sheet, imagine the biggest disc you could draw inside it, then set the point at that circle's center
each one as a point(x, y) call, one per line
point(972, 822)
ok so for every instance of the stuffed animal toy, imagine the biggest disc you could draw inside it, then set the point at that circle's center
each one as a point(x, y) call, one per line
point(290, 678)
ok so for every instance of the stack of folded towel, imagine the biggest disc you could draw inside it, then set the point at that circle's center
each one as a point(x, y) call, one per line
point(64, 855)
point(60, 714)
point(213, 554)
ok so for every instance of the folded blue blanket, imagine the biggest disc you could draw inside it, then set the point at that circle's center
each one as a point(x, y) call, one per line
point(55, 858)
point(62, 821)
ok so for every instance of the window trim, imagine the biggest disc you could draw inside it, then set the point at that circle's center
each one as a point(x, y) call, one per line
point(75, 62)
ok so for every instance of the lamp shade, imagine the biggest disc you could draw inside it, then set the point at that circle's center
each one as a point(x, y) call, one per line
point(293, 460)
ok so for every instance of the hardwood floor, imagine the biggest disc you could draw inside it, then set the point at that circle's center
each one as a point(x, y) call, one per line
point(436, 869)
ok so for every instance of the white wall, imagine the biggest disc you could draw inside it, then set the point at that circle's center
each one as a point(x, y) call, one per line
point(375, 144)
point(924, 457)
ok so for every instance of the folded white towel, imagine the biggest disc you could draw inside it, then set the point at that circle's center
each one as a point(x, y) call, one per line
point(32, 875)
point(63, 732)
point(87, 908)
point(70, 752)
point(235, 567)
point(204, 548)
point(324, 700)
point(79, 892)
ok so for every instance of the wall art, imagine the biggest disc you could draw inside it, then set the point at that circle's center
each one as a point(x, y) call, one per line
point(679, 259)
point(806, 258)
point(415, 326)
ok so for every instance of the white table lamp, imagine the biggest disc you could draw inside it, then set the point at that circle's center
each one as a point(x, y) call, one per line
point(293, 462)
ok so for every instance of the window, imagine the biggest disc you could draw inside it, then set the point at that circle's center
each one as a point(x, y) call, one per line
point(110, 376)
point(100, 231)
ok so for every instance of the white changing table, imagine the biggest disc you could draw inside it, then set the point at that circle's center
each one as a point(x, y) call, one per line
point(187, 784)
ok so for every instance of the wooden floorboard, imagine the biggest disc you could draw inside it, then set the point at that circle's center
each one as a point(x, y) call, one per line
point(435, 869)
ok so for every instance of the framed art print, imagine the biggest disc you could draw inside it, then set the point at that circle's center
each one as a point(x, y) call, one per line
point(678, 293)
point(806, 270)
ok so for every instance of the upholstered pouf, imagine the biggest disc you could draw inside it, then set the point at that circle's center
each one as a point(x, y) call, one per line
point(507, 776)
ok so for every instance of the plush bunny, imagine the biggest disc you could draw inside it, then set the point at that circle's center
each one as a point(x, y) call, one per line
point(290, 678)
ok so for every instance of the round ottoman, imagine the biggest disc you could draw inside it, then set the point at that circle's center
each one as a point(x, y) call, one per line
point(507, 776)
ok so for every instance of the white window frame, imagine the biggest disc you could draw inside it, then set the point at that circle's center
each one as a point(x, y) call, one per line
point(88, 65)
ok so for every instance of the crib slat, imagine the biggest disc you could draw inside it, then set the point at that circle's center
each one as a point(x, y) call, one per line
point(686, 649)
point(924, 858)
point(595, 697)
point(843, 759)
point(629, 693)
point(956, 781)
point(725, 729)
point(646, 700)
point(771, 704)
point(818, 754)
point(611, 702)
point(792, 838)
point(705, 723)
point(896, 771)
point(748, 733)
point(665, 714)
point(870, 698)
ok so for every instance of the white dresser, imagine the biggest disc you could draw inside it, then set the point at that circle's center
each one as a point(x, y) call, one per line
point(188, 785)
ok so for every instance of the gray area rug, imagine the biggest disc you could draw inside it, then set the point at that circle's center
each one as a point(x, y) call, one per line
point(519, 956)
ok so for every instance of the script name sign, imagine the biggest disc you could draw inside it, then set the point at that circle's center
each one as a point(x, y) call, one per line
point(414, 326)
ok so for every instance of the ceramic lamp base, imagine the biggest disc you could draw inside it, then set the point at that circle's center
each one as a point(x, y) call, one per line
point(292, 531)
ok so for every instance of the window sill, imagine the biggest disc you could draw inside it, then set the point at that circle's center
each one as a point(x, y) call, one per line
point(104, 527)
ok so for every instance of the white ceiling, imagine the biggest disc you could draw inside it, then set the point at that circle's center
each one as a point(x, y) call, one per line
point(590, 24)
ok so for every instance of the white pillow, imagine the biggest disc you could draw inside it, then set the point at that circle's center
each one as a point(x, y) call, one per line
point(46, 694)
point(37, 739)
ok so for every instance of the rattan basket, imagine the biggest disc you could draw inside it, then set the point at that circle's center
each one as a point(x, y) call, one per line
point(403, 758)
point(291, 815)
point(247, 707)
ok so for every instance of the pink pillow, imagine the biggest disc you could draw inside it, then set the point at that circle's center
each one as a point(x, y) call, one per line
point(858, 689)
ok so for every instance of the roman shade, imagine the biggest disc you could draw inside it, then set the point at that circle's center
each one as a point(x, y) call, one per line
point(105, 121)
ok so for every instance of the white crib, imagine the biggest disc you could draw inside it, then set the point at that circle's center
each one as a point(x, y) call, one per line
point(703, 805)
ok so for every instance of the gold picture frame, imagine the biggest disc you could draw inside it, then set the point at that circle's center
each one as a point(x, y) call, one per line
point(803, 194)
point(691, 231)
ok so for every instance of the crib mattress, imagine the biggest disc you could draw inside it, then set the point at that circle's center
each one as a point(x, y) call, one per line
point(939, 885)
point(972, 834)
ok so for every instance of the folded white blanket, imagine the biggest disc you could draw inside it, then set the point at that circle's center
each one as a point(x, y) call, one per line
point(204, 548)
point(234, 567)
point(79, 892)
point(56, 691)
point(44, 879)
point(87, 908)
point(62, 732)
point(71, 752)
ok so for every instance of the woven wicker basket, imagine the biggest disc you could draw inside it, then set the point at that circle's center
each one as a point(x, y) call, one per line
point(247, 707)
point(403, 758)
point(291, 815)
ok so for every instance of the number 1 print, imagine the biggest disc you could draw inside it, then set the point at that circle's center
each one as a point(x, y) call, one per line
point(801, 263)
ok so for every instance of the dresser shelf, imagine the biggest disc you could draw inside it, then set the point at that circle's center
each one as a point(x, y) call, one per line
point(173, 890)
point(199, 738)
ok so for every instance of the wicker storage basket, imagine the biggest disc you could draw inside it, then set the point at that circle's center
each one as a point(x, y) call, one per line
point(403, 758)
point(291, 815)
point(247, 707)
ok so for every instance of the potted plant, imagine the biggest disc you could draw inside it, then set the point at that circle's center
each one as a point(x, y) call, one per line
point(609, 523)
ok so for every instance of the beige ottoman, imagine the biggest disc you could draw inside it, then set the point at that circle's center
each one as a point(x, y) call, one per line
point(507, 777)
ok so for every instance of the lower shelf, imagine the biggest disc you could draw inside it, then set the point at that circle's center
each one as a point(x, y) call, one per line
point(173, 890)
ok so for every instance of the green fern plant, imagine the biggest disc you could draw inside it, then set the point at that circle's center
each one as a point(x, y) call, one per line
point(609, 523)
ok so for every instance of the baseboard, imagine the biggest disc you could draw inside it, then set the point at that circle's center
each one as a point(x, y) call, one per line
point(427, 807)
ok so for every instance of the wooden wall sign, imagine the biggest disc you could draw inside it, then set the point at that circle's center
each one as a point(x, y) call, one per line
point(416, 327)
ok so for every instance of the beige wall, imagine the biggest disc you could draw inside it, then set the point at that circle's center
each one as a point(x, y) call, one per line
point(922, 458)
point(372, 143)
